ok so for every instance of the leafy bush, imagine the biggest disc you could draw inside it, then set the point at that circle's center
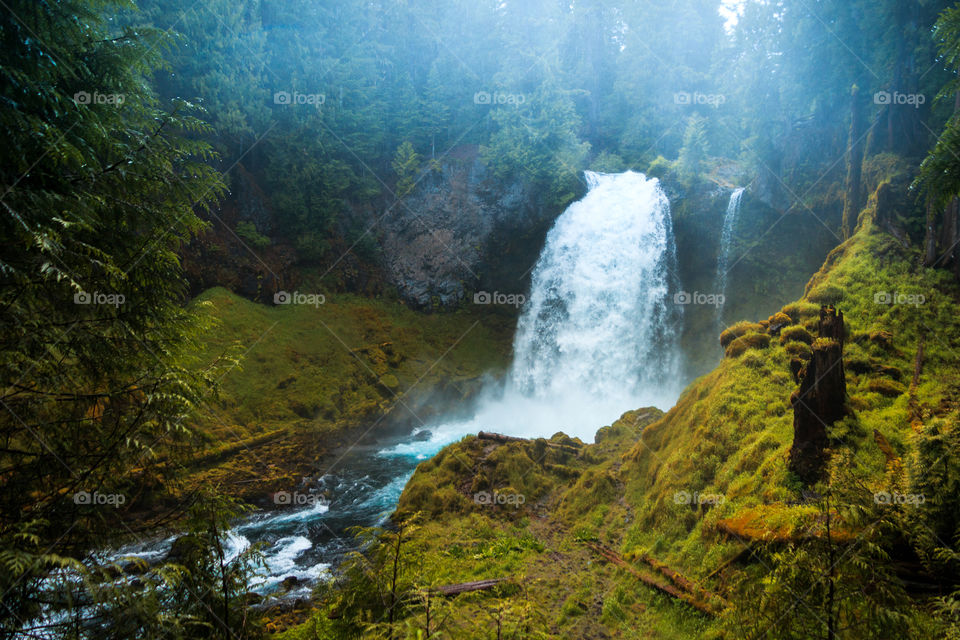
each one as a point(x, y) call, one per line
point(247, 231)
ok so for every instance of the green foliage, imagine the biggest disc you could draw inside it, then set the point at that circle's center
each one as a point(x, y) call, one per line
point(693, 153)
point(538, 141)
point(939, 176)
point(247, 231)
point(660, 167)
point(197, 592)
point(102, 182)
point(406, 165)
point(607, 162)
point(825, 587)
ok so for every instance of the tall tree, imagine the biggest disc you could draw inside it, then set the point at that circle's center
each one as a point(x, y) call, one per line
point(100, 181)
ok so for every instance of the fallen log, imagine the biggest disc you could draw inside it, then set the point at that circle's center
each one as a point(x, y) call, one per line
point(499, 437)
point(502, 439)
point(916, 415)
point(663, 587)
point(675, 577)
point(464, 587)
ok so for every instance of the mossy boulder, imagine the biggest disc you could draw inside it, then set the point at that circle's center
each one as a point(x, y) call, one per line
point(799, 311)
point(737, 330)
point(795, 333)
point(748, 341)
point(885, 387)
point(779, 319)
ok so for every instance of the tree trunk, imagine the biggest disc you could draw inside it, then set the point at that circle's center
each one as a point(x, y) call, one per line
point(821, 399)
point(930, 237)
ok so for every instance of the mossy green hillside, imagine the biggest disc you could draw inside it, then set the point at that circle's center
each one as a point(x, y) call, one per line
point(350, 357)
point(308, 374)
point(524, 512)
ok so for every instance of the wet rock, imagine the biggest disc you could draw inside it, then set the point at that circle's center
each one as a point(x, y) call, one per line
point(461, 230)
point(183, 550)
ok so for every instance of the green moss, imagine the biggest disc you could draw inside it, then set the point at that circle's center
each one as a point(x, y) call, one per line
point(779, 319)
point(829, 294)
point(801, 310)
point(748, 341)
point(795, 333)
point(308, 372)
point(888, 388)
point(347, 355)
point(798, 350)
point(739, 329)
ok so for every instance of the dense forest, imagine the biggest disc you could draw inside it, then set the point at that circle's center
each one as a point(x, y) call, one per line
point(248, 242)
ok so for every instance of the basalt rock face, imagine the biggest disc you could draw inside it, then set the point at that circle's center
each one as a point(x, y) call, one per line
point(222, 256)
point(461, 230)
point(821, 399)
point(219, 257)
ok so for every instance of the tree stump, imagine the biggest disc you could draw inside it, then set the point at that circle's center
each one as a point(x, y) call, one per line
point(821, 399)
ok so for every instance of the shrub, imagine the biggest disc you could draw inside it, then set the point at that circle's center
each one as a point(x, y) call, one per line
point(735, 331)
point(748, 341)
point(796, 333)
point(659, 167)
point(247, 232)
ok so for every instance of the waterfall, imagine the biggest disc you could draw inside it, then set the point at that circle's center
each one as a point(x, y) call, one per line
point(726, 239)
point(598, 335)
point(599, 322)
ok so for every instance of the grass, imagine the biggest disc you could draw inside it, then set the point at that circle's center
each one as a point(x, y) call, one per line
point(309, 375)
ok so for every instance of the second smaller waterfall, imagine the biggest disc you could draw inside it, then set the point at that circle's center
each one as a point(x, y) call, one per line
point(726, 240)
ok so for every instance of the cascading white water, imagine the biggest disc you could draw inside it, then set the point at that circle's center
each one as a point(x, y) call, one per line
point(726, 240)
point(598, 334)
point(599, 324)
